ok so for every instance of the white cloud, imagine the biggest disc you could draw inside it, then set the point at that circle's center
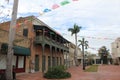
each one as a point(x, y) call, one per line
point(99, 18)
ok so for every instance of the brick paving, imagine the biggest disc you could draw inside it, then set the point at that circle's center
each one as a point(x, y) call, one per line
point(105, 72)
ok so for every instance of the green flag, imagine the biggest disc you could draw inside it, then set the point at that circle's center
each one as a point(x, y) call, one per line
point(64, 2)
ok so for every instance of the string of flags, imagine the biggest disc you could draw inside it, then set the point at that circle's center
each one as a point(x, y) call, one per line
point(45, 10)
point(93, 48)
point(91, 37)
point(55, 6)
point(103, 38)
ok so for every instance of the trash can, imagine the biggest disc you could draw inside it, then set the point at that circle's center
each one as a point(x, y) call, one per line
point(14, 75)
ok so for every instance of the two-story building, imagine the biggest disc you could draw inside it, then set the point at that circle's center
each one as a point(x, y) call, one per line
point(47, 46)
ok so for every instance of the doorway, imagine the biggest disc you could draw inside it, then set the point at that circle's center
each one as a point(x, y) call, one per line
point(36, 62)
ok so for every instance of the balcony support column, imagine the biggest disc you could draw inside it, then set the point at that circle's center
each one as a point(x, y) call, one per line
point(55, 56)
point(43, 57)
point(51, 55)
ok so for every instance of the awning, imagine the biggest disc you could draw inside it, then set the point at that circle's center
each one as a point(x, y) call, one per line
point(21, 51)
point(17, 50)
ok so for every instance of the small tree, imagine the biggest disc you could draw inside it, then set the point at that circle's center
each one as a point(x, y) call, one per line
point(103, 53)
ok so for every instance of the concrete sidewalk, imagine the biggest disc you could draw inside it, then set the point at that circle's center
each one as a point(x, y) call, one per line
point(105, 72)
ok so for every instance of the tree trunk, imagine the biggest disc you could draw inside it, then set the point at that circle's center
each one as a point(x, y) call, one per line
point(76, 51)
point(9, 66)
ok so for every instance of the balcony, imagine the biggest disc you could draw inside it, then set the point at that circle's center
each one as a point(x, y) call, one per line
point(39, 39)
point(47, 40)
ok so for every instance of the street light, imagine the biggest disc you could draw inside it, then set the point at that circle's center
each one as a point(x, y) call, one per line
point(84, 45)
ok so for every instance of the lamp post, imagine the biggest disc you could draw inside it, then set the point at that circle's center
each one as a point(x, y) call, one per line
point(84, 45)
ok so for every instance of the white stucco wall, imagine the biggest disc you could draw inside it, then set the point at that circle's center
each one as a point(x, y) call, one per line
point(116, 48)
point(3, 61)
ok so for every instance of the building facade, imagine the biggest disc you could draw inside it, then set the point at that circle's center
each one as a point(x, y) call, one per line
point(21, 51)
point(71, 55)
point(47, 47)
point(116, 51)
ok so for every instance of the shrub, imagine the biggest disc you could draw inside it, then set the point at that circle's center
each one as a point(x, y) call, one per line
point(57, 72)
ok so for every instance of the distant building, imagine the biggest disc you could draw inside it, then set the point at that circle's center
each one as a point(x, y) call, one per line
point(71, 60)
point(92, 58)
point(116, 51)
point(97, 60)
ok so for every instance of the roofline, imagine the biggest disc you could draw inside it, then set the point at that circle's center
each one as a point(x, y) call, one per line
point(49, 27)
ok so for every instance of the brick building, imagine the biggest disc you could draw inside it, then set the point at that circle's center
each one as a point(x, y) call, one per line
point(42, 47)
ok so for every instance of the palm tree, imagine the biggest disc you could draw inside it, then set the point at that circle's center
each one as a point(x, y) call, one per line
point(84, 45)
point(103, 53)
point(75, 30)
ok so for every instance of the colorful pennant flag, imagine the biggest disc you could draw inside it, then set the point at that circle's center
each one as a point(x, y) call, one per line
point(64, 2)
point(55, 6)
point(47, 10)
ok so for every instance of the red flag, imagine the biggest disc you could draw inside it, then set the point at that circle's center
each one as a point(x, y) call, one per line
point(55, 6)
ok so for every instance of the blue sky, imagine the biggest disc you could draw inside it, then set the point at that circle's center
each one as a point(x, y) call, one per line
point(100, 19)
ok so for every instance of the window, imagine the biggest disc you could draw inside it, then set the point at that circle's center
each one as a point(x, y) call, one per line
point(53, 61)
point(25, 32)
point(60, 61)
point(57, 61)
point(49, 61)
point(117, 45)
point(43, 63)
point(21, 62)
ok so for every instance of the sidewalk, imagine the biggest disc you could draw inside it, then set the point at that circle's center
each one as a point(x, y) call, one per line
point(105, 72)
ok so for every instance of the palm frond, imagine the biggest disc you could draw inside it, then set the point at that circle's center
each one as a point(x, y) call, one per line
point(71, 30)
point(75, 29)
point(79, 40)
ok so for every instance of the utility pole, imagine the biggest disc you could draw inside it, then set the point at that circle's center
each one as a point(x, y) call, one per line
point(84, 45)
point(12, 31)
